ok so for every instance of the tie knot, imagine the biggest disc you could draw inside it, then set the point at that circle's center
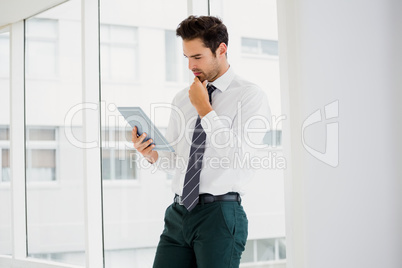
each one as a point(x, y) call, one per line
point(211, 88)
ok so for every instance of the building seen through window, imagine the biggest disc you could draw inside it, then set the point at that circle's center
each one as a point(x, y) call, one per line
point(119, 48)
point(5, 154)
point(41, 155)
point(42, 42)
point(54, 164)
point(259, 46)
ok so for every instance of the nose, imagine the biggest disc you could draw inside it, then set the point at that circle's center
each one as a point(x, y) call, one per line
point(191, 65)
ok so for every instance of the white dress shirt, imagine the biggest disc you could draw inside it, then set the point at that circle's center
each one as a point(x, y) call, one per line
point(234, 129)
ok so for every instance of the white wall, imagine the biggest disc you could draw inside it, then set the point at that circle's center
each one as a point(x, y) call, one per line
point(346, 51)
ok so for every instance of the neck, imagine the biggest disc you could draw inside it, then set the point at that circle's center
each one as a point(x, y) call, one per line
point(223, 70)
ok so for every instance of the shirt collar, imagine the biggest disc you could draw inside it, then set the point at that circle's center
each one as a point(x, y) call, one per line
point(223, 82)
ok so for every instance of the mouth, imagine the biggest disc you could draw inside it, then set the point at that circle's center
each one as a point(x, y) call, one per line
point(197, 73)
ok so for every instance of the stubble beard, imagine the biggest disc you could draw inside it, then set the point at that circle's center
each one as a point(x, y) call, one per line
point(210, 76)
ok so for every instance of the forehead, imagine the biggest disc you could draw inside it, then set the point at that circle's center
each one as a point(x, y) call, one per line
point(194, 46)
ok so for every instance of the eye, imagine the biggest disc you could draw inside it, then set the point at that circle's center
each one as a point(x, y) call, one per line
point(197, 58)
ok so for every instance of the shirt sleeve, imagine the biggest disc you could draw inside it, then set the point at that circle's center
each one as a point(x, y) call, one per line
point(246, 132)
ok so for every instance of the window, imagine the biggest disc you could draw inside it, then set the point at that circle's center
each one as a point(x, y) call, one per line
point(4, 55)
point(273, 138)
point(171, 56)
point(118, 156)
point(117, 164)
point(119, 49)
point(259, 46)
point(6, 244)
point(259, 251)
point(5, 165)
point(175, 63)
point(253, 53)
point(42, 41)
point(41, 154)
point(54, 164)
point(5, 153)
point(147, 45)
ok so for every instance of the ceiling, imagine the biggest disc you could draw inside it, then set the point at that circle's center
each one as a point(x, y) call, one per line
point(15, 10)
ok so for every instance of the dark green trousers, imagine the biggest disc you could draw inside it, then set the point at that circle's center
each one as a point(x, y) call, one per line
point(211, 235)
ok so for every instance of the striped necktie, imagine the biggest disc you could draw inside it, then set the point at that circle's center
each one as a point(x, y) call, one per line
point(191, 186)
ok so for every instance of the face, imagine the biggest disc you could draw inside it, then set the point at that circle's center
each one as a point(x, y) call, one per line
point(202, 62)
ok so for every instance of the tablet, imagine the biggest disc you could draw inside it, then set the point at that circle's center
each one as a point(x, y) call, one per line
point(135, 116)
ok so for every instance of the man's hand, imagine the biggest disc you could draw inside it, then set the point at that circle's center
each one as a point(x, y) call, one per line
point(145, 148)
point(198, 95)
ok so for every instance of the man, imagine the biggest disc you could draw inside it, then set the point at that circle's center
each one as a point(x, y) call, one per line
point(206, 225)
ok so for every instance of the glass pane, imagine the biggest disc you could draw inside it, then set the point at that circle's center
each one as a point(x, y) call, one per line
point(135, 45)
point(41, 45)
point(42, 135)
point(104, 33)
point(41, 53)
point(55, 203)
point(172, 60)
point(123, 63)
point(41, 165)
point(282, 248)
point(4, 133)
point(40, 26)
point(4, 55)
point(251, 40)
point(250, 45)
point(121, 34)
point(5, 189)
point(269, 47)
point(105, 61)
point(119, 53)
point(266, 250)
point(118, 164)
point(248, 254)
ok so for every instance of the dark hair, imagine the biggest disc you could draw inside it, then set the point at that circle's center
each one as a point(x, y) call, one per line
point(210, 30)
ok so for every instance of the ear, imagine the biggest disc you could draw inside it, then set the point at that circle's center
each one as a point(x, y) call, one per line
point(222, 49)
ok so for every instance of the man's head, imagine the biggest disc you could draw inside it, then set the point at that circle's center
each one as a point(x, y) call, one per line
point(210, 30)
point(205, 41)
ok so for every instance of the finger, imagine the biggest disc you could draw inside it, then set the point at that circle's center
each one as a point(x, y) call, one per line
point(205, 83)
point(144, 145)
point(138, 141)
point(134, 133)
point(142, 137)
point(148, 149)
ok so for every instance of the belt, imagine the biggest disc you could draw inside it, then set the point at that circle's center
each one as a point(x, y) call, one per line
point(209, 198)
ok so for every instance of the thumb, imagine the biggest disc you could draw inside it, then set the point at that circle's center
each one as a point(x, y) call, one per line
point(205, 83)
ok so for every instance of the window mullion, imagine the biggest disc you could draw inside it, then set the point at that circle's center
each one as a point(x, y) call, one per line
point(91, 119)
point(17, 141)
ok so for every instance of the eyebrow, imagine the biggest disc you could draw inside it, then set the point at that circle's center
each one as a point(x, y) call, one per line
point(193, 56)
